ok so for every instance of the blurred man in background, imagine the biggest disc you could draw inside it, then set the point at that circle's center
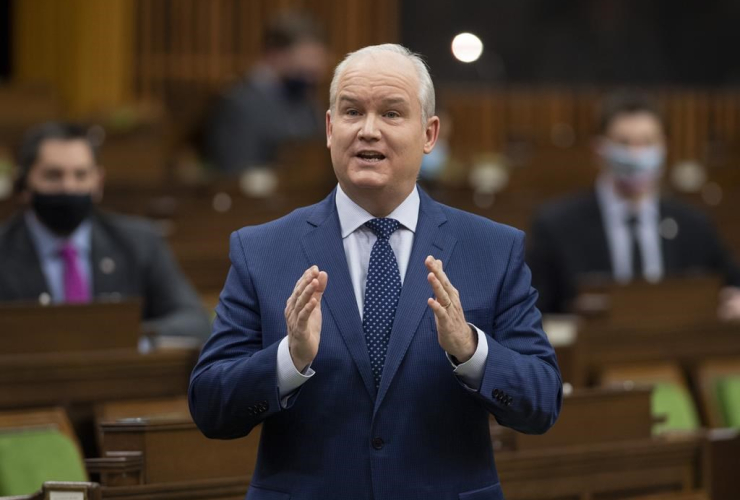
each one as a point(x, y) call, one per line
point(624, 228)
point(60, 249)
point(275, 104)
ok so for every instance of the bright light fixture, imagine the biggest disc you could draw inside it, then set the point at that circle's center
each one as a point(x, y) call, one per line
point(467, 47)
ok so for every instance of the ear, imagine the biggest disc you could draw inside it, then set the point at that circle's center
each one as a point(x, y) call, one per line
point(328, 128)
point(431, 133)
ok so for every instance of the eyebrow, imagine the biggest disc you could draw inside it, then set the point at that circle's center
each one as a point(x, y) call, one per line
point(394, 101)
point(388, 101)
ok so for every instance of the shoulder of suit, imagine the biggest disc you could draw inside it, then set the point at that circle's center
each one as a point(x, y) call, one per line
point(567, 208)
point(128, 224)
point(10, 227)
point(674, 206)
point(462, 222)
point(685, 214)
point(286, 225)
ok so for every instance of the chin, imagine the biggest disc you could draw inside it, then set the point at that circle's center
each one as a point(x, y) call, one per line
point(368, 180)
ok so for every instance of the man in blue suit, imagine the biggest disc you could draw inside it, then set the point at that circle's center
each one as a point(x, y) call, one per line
point(372, 334)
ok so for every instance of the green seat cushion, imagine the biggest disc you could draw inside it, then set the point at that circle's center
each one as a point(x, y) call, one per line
point(673, 402)
point(28, 458)
point(728, 396)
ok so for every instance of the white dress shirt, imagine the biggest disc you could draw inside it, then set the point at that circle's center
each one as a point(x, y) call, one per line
point(358, 242)
point(615, 211)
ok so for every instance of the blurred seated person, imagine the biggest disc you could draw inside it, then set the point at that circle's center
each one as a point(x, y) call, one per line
point(624, 228)
point(275, 104)
point(60, 249)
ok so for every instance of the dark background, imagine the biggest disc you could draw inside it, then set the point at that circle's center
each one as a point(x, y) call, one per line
point(580, 41)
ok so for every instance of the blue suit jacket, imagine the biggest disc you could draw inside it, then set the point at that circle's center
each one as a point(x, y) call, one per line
point(424, 434)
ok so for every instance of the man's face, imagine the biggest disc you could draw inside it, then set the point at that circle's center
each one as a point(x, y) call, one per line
point(65, 167)
point(636, 130)
point(632, 151)
point(307, 59)
point(375, 132)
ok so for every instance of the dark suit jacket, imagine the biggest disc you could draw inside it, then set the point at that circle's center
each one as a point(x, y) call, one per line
point(568, 241)
point(423, 434)
point(253, 120)
point(129, 259)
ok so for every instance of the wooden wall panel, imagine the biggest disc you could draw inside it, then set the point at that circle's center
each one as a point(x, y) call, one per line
point(81, 48)
point(486, 120)
point(195, 47)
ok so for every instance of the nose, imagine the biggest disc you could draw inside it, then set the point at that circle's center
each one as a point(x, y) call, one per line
point(369, 130)
point(70, 184)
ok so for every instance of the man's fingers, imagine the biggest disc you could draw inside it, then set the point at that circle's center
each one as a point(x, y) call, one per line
point(439, 311)
point(435, 266)
point(439, 292)
point(446, 283)
point(305, 313)
point(305, 296)
point(323, 280)
point(300, 285)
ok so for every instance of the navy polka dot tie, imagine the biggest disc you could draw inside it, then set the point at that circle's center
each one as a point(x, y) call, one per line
point(381, 294)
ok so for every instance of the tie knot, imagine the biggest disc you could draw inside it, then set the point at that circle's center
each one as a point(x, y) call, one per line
point(68, 251)
point(633, 220)
point(383, 228)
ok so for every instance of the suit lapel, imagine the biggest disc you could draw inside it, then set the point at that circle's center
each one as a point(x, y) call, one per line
point(25, 258)
point(430, 239)
point(107, 264)
point(593, 229)
point(669, 247)
point(323, 246)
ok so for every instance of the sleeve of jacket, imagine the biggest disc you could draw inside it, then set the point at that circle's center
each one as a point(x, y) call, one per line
point(173, 307)
point(234, 384)
point(521, 384)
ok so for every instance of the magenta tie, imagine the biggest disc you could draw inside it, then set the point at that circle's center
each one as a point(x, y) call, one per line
point(75, 287)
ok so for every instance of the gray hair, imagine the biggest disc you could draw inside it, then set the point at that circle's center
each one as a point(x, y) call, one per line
point(426, 87)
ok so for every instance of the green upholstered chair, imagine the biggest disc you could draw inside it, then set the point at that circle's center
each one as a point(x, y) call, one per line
point(728, 397)
point(30, 457)
point(674, 402)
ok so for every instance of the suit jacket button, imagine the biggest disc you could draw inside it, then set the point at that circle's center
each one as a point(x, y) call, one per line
point(378, 443)
point(495, 393)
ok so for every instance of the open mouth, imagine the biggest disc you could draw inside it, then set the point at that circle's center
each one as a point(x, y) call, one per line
point(371, 156)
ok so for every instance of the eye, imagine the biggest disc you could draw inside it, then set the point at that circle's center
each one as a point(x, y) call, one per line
point(52, 175)
point(352, 112)
point(392, 114)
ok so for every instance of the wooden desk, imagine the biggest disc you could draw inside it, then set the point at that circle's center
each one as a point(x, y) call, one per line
point(171, 450)
point(79, 380)
point(687, 346)
point(616, 471)
point(590, 416)
point(30, 328)
point(601, 447)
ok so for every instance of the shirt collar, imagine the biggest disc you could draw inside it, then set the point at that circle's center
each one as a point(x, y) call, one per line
point(353, 216)
point(48, 244)
point(617, 208)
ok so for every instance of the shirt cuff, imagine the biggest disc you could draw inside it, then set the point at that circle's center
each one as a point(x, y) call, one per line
point(288, 377)
point(471, 372)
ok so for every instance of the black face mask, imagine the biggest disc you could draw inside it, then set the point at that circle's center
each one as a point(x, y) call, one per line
point(298, 87)
point(62, 213)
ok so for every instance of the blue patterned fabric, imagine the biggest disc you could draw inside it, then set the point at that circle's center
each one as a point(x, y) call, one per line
point(381, 294)
point(422, 434)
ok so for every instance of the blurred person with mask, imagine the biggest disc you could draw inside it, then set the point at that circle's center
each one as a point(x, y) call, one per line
point(625, 228)
point(275, 104)
point(60, 249)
